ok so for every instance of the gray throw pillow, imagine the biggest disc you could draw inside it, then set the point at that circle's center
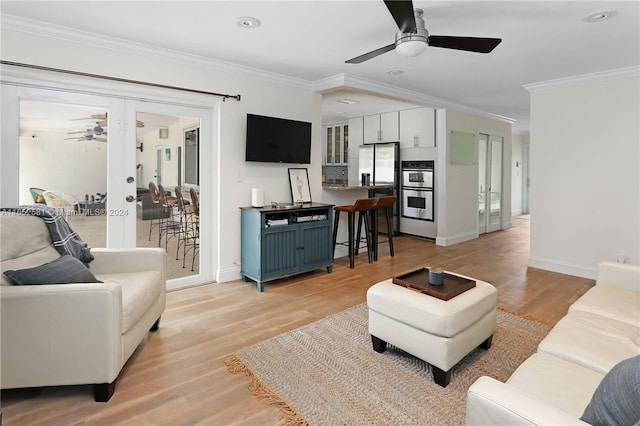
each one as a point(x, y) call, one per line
point(616, 400)
point(64, 270)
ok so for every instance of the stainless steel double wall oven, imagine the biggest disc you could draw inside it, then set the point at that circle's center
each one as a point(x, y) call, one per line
point(417, 190)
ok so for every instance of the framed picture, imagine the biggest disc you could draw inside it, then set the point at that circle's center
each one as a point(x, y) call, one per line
point(299, 181)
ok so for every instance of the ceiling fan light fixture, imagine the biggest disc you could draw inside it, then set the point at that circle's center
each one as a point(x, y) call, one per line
point(411, 48)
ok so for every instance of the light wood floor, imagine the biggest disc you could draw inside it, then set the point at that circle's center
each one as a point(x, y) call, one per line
point(177, 376)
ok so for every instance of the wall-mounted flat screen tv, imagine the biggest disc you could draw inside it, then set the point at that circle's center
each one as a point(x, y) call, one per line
point(278, 140)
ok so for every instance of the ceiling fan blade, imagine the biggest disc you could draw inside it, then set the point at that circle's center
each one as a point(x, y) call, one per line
point(471, 44)
point(360, 59)
point(402, 12)
point(100, 139)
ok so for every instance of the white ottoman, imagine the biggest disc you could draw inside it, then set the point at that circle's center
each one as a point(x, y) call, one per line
point(436, 331)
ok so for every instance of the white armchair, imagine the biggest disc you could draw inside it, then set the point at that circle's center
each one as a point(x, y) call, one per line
point(71, 334)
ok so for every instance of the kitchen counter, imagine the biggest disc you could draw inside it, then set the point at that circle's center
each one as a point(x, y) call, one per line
point(331, 187)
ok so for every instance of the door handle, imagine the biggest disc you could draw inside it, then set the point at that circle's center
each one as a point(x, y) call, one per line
point(130, 198)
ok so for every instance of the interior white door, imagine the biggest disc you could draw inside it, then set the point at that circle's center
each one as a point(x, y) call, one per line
point(72, 145)
point(169, 130)
point(87, 165)
point(490, 194)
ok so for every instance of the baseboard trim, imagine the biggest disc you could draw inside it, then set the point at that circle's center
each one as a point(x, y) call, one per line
point(563, 267)
point(228, 274)
point(449, 241)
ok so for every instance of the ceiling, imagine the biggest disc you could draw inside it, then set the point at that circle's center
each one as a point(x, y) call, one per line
point(309, 42)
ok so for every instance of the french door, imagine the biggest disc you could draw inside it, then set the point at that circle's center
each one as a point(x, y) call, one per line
point(86, 149)
point(490, 194)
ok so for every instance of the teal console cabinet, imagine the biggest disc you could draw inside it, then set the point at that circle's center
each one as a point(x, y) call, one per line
point(281, 241)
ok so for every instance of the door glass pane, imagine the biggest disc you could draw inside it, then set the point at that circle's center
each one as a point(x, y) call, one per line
point(329, 145)
point(170, 218)
point(337, 149)
point(345, 144)
point(63, 164)
point(496, 181)
point(482, 178)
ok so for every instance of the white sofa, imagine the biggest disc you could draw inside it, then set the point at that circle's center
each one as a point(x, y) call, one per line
point(74, 334)
point(555, 385)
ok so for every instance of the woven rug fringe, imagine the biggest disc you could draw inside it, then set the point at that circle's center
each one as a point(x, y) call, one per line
point(525, 316)
point(260, 390)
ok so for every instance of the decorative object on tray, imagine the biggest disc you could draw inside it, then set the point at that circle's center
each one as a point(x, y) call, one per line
point(436, 276)
point(452, 285)
point(299, 181)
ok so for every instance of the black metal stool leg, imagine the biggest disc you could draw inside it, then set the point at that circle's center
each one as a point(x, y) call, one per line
point(356, 250)
point(335, 229)
point(366, 231)
point(352, 219)
point(389, 231)
point(374, 232)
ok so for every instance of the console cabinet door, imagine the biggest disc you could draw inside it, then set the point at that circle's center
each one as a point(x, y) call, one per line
point(280, 251)
point(316, 244)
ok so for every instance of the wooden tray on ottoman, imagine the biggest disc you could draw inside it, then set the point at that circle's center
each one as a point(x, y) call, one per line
point(419, 280)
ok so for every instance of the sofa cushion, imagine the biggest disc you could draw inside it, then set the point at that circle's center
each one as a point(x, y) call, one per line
point(139, 291)
point(616, 401)
point(592, 340)
point(14, 228)
point(23, 252)
point(557, 382)
point(612, 302)
point(64, 270)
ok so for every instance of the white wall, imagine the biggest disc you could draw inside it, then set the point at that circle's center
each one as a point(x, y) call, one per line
point(517, 143)
point(233, 177)
point(52, 163)
point(585, 175)
point(458, 214)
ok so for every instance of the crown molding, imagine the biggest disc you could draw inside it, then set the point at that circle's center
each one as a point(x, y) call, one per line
point(39, 28)
point(347, 81)
point(585, 79)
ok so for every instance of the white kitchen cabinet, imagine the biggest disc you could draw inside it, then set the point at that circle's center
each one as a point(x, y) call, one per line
point(336, 144)
point(356, 136)
point(417, 128)
point(381, 127)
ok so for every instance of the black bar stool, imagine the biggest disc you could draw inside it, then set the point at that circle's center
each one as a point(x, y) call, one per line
point(386, 203)
point(363, 207)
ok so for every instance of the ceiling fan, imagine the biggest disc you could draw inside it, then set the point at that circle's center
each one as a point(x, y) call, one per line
point(103, 120)
point(88, 136)
point(96, 130)
point(413, 38)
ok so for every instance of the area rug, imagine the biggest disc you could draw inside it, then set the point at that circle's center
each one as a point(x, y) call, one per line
point(327, 373)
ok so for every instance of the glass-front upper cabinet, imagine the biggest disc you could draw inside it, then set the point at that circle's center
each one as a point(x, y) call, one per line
point(337, 144)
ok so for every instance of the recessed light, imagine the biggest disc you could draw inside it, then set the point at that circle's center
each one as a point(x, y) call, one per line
point(347, 101)
point(600, 16)
point(395, 72)
point(248, 22)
